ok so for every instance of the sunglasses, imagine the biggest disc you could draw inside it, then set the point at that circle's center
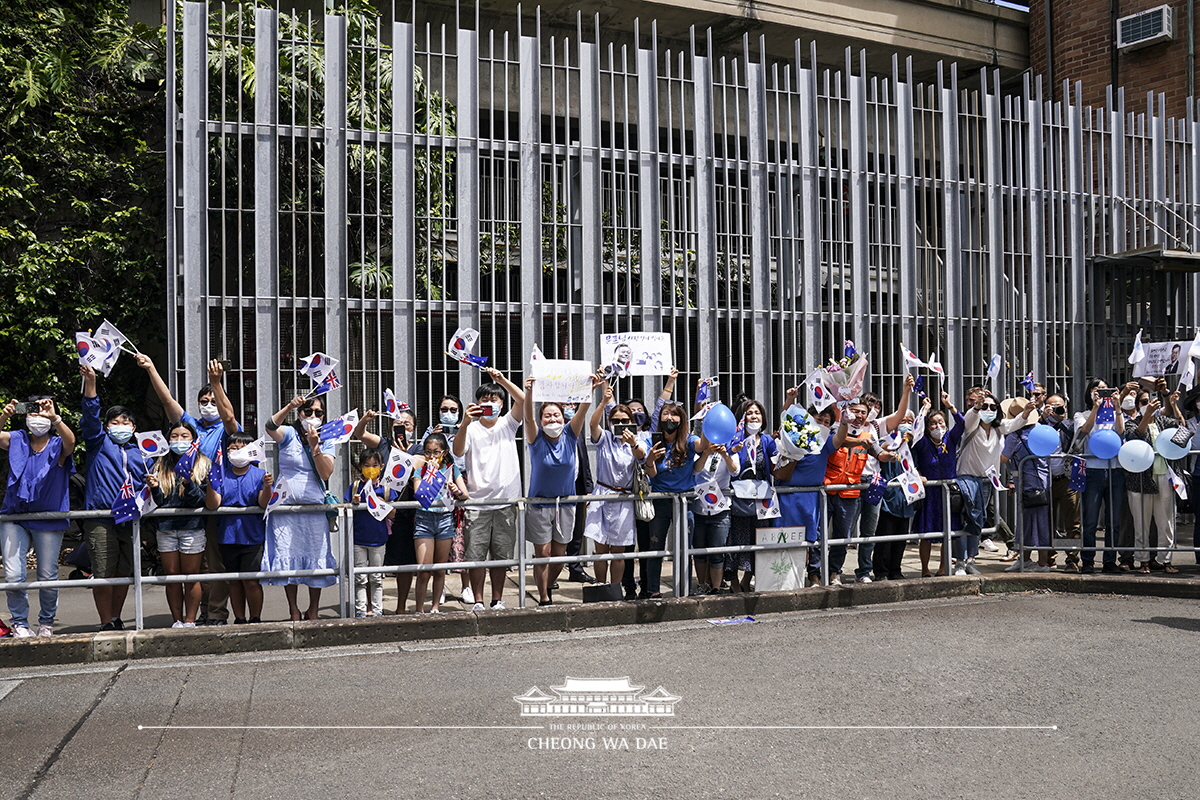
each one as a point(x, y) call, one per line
point(445, 410)
point(989, 407)
point(312, 412)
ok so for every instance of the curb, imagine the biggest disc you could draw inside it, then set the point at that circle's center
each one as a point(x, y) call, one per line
point(82, 648)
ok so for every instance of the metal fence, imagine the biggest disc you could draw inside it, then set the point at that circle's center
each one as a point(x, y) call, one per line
point(363, 186)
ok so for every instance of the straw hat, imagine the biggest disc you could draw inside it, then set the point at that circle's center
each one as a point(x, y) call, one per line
point(1014, 406)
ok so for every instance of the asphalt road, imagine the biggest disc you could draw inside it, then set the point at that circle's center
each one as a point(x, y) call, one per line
point(1014, 696)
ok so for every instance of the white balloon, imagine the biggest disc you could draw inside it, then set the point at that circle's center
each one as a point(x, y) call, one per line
point(1167, 448)
point(1136, 456)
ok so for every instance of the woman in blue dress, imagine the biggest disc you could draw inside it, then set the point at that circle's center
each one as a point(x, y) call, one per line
point(936, 454)
point(300, 541)
point(803, 464)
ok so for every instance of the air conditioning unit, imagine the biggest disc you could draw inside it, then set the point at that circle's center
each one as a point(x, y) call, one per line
point(1145, 28)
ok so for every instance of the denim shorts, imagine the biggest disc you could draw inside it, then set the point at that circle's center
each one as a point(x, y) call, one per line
point(437, 525)
point(187, 542)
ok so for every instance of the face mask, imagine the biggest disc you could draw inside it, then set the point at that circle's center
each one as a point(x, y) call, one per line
point(496, 407)
point(238, 458)
point(872, 414)
point(310, 423)
point(1129, 403)
point(988, 416)
point(753, 427)
point(553, 430)
point(669, 425)
point(208, 412)
point(640, 418)
point(568, 414)
point(179, 447)
point(904, 428)
point(370, 473)
point(937, 434)
point(448, 417)
point(38, 426)
point(120, 433)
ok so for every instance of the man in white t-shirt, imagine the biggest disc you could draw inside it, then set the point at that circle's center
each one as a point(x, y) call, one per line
point(488, 441)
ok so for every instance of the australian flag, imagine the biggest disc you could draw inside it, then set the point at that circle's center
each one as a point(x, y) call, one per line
point(919, 385)
point(1027, 381)
point(430, 487)
point(216, 473)
point(183, 467)
point(850, 351)
point(1106, 417)
point(125, 507)
point(703, 393)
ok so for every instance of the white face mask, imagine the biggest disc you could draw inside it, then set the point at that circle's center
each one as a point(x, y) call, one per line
point(38, 426)
point(553, 430)
point(311, 423)
point(937, 434)
point(872, 415)
point(1129, 403)
point(120, 433)
point(753, 427)
point(988, 416)
point(179, 446)
point(238, 458)
point(208, 412)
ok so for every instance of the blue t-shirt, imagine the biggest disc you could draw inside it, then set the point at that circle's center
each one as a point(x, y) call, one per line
point(209, 434)
point(238, 491)
point(36, 482)
point(552, 465)
point(368, 531)
point(108, 462)
point(679, 478)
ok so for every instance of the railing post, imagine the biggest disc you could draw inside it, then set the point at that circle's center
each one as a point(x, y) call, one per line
point(946, 528)
point(346, 565)
point(679, 561)
point(823, 504)
point(520, 554)
point(137, 574)
point(1019, 522)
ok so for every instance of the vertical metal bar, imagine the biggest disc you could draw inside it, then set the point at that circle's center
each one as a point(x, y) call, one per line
point(1193, 126)
point(467, 194)
point(1035, 191)
point(138, 600)
point(823, 504)
point(336, 202)
point(346, 564)
point(589, 180)
point(404, 210)
point(172, 192)
point(530, 155)
point(810, 225)
point(649, 196)
point(906, 197)
point(760, 244)
point(194, 301)
point(952, 201)
point(997, 311)
point(1078, 222)
point(860, 244)
point(706, 235)
point(266, 212)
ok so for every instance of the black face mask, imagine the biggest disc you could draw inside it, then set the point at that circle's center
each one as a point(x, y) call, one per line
point(669, 425)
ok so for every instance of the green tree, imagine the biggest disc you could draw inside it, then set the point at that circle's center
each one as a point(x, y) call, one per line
point(81, 190)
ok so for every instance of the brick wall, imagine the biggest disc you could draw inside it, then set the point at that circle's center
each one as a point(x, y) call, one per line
point(1083, 43)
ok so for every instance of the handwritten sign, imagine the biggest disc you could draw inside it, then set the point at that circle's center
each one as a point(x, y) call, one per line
point(1162, 358)
point(562, 380)
point(781, 570)
point(636, 353)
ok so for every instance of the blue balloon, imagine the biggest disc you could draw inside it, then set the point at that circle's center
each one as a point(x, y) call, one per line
point(1043, 440)
point(1167, 448)
point(1104, 444)
point(719, 424)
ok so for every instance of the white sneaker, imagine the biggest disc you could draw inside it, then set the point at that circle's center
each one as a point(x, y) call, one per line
point(45, 630)
point(814, 580)
point(1037, 568)
point(468, 596)
point(435, 611)
point(989, 545)
point(21, 631)
point(971, 568)
point(177, 623)
point(835, 579)
point(443, 597)
point(498, 605)
point(959, 568)
point(189, 625)
point(477, 607)
point(864, 579)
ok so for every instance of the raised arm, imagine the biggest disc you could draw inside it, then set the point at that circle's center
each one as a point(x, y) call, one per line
point(596, 423)
point(264, 494)
point(669, 385)
point(894, 419)
point(531, 427)
point(514, 391)
point(276, 420)
point(360, 430)
point(582, 408)
point(224, 406)
point(61, 428)
point(789, 399)
point(10, 408)
point(170, 405)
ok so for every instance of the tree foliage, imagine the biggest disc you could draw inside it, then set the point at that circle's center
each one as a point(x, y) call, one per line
point(81, 190)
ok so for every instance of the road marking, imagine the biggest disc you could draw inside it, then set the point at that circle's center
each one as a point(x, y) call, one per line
point(855, 727)
point(341, 727)
point(6, 687)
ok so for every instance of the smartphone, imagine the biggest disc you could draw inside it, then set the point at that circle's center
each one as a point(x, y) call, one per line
point(656, 439)
point(1103, 393)
point(485, 411)
point(225, 363)
point(33, 407)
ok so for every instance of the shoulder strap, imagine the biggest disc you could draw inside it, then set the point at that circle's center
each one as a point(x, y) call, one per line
point(312, 463)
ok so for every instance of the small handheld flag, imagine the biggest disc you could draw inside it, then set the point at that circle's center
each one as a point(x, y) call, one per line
point(993, 475)
point(145, 501)
point(703, 392)
point(935, 365)
point(850, 350)
point(994, 367)
point(338, 431)
point(910, 358)
point(1178, 485)
point(108, 332)
point(768, 507)
point(330, 383)
point(1139, 352)
point(279, 496)
point(460, 347)
point(1027, 382)
point(1188, 377)
point(216, 473)
point(125, 506)
point(318, 366)
point(1106, 416)
point(1194, 350)
point(433, 480)
point(391, 406)
point(183, 467)
point(1078, 475)
point(152, 444)
point(399, 470)
point(378, 508)
point(712, 499)
point(256, 450)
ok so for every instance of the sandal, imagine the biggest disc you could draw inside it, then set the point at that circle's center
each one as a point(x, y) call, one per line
point(1167, 568)
point(1144, 569)
point(927, 574)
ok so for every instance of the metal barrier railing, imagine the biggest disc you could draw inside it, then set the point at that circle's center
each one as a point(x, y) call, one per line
point(680, 551)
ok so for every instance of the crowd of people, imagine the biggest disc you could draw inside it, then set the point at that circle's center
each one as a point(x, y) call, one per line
point(472, 452)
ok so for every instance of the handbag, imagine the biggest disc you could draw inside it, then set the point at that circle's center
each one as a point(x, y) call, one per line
point(1182, 436)
point(956, 497)
point(643, 508)
point(1035, 498)
point(331, 514)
